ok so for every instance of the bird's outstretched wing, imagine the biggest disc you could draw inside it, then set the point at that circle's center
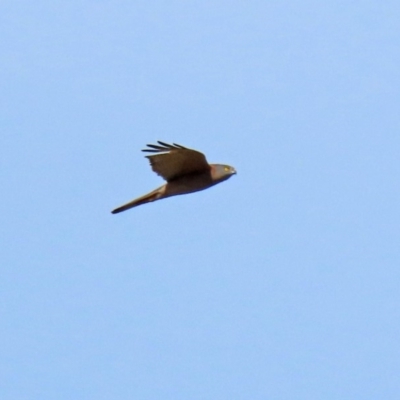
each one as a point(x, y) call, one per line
point(175, 161)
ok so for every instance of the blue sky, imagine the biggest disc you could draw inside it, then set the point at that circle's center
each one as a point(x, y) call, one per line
point(281, 283)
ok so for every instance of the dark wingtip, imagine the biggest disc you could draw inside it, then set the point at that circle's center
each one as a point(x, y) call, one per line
point(153, 148)
point(162, 147)
point(178, 145)
point(163, 143)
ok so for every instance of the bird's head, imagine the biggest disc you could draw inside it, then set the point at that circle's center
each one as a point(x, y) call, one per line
point(221, 172)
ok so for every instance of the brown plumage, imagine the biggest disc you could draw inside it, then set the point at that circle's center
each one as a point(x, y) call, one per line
point(185, 171)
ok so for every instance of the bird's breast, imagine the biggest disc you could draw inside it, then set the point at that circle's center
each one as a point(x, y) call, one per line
point(189, 183)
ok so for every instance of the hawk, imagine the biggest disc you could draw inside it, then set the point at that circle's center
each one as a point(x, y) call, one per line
point(185, 171)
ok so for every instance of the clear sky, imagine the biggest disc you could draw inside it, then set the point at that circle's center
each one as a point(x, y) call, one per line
point(280, 283)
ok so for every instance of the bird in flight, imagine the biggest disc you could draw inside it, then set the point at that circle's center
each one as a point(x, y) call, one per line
point(185, 171)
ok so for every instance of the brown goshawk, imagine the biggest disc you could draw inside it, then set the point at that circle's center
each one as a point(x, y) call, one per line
point(185, 171)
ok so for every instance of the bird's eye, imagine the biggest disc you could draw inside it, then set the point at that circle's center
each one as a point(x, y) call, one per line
point(226, 169)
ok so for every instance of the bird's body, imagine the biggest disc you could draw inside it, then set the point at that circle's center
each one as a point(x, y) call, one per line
point(185, 170)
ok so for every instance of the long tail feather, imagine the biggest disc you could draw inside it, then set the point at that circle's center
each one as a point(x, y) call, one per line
point(147, 198)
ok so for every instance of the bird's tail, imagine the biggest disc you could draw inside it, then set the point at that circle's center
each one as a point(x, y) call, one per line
point(147, 198)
